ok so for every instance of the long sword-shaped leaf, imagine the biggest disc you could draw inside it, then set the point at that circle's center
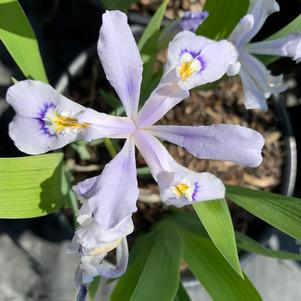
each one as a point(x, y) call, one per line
point(153, 26)
point(280, 211)
point(223, 17)
point(216, 219)
point(31, 186)
point(19, 39)
point(160, 277)
point(250, 245)
point(214, 272)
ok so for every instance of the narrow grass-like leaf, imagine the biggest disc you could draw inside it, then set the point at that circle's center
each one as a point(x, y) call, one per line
point(213, 271)
point(280, 211)
point(250, 245)
point(223, 17)
point(160, 276)
point(153, 26)
point(32, 186)
point(216, 219)
point(19, 39)
point(182, 294)
point(294, 26)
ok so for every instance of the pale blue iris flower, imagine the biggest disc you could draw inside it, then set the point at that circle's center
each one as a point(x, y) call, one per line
point(258, 83)
point(46, 121)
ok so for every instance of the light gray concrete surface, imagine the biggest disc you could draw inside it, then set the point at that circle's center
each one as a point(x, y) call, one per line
point(275, 280)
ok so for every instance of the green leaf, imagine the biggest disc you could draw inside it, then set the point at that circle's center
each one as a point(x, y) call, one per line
point(213, 271)
point(93, 288)
point(160, 276)
point(138, 256)
point(182, 295)
point(216, 219)
point(250, 245)
point(153, 26)
point(223, 17)
point(280, 211)
point(294, 26)
point(153, 272)
point(19, 39)
point(32, 186)
point(81, 148)
point(110, 99)
point(118, 4)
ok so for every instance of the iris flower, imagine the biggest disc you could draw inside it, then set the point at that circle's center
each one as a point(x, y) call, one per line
point(258, 83)
point(46, 120)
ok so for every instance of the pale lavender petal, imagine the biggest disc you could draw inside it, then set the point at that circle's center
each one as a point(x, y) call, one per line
point(261, 75)
point(30, 137)
point(120, 59)
point(185, 188)
point(250, 24)
point(199, 60)
point(216, 142)
point(45, 120)
point(168, 173)
point(289, 46)
point(163, 98)
point(192, 20)
point(154, 153)
point(254, 97)
point(115, 191)
point(30, 97)
point(104, 125)
point(95, 265)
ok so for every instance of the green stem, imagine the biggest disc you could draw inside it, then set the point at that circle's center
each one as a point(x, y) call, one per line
point(110, 147)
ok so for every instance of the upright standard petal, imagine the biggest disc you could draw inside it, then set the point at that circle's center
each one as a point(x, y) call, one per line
point(120, 59)
point(289, 46)
point(166, 95)
point(198, 60)
point(112, 195)
point(192, 20)
point(45, 120)
point(250, 24)
point(178, 185)
point(217, 142)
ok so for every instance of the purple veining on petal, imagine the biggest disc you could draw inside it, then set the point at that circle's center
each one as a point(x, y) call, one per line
point(195, 190)
point(195, 55)
point(41, 117)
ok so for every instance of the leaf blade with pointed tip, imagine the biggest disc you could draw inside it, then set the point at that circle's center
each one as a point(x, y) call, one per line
point(282, 212)
point(250, 245)
point(216, 219)
point(213, 271)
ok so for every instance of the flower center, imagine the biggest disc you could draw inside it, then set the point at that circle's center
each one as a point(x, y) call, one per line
point(190, 63)
point(106, 248)
point(63, 122)
point(55, 123)
point(186, 70)
point(181, 189)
